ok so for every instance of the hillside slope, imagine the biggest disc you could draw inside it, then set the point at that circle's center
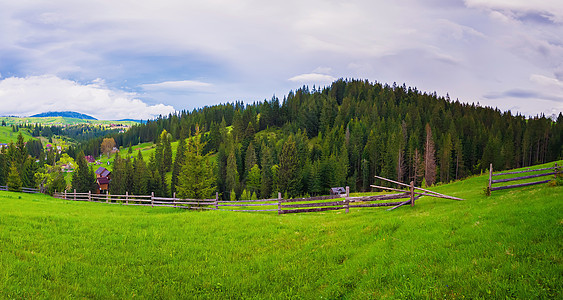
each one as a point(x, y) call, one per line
point(505, 245)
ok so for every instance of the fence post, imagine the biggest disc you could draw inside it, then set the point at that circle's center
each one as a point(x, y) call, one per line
point(556, 171)
point(279, 203)
point(89, 196)
point(152, 200)
point(65, 194)
point(490, 178)
point(412, 193)
point(126, 197)
point(216, 200)
point(107, 196)
point(74, 194)
point(346, 202)
point(174, 199)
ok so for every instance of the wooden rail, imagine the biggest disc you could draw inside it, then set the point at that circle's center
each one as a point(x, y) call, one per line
point(22, 189)
point(282, 206)
point(491, 188)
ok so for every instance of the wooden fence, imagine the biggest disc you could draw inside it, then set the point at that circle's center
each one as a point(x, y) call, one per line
point(23, 189)
point(279, 205)
point(139, 200)
point(545, 172)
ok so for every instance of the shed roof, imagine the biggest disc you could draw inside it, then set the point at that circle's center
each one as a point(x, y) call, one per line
point(103, 172)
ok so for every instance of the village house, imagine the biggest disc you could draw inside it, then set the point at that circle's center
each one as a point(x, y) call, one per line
point(103, 179)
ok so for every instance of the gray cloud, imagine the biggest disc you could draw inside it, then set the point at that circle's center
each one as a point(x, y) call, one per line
point(163, 50)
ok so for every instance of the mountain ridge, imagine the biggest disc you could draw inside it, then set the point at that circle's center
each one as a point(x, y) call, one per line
point(65, 114)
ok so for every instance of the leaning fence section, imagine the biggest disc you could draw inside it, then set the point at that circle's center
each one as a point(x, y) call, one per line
point(544, 172)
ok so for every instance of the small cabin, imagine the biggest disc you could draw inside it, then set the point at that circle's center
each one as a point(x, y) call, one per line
point(103, 179)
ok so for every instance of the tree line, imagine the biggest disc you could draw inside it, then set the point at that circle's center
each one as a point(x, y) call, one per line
point(339, 135)
point(345, 133)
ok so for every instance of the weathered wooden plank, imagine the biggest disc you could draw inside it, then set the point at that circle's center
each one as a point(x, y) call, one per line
point(244, 201)
point(317, 204)
point(291, 211)
point(523, 177)
point(377, 204)
point(397, 206)
point(378, 197)
point(248, 210)
point(309, 199)
point(518, 185)
point(424, 190)
point(250, 204)
point(525, 171)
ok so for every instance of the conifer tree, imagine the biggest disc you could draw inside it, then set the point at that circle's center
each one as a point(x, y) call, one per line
point(232, 179)
point(83, 179)
point(14, 180)
point(289, 172)
point(266, 180)
point(178, 164)
point(141, 176)
point(196, 180)
point(429, 158)
point(254, 179)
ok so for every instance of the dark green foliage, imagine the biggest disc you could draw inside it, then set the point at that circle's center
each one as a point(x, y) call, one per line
point(83, 178)
point(178, 163)
point(141, 176)
point(289, 172)
point(14, 180)
point(346, 133)
point(196, 180)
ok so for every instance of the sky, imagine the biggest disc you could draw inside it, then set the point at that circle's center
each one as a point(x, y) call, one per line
point(118, 59)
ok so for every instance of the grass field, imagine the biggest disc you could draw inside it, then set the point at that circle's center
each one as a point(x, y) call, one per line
point(7, 135)
point(507, 245)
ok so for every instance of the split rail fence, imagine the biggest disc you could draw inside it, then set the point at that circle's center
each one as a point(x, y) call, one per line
point(280, 205)
point(23, 189)
point(545, 172)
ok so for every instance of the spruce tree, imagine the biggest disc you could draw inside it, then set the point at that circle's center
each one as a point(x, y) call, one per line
point(82, 179)
point(196, 181)
point(141, 176)
point(289, 172)
point(429, 158)
point(232, 179)
point(14, 180)
point(266, 180)
point(178, 164)
point(254, 177)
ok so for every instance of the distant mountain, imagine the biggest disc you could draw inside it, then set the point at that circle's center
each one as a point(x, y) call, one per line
point(64, 114)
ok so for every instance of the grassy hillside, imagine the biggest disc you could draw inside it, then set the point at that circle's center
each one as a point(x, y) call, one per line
point(7, 135)
point(507, 245)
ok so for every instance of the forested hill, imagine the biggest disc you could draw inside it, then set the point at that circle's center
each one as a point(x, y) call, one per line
point(348, 132)
point(65, 114)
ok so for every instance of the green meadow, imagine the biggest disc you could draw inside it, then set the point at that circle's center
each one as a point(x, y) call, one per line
point(507, 245)
point(7, 135)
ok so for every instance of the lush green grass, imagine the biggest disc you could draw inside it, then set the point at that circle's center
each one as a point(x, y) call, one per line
point(7, 135)
point(507, 245)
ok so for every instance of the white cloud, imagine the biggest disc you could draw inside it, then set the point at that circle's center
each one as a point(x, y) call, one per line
point(182, 85)
point(546, 81)
point(36, 94)
point(312, 78)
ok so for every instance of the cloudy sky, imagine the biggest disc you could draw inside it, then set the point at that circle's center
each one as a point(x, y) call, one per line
point(120, 59)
